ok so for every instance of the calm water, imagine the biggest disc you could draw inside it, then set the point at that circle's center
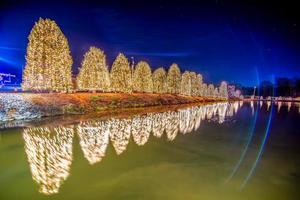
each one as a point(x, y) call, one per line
point(220, 151)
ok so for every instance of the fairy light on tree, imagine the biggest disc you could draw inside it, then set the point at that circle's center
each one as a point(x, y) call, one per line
point(48, 59)
point(195, 82)
point(185, 87)
point(142, 78)
point(93, 74)
point(223, 90)
point(121, 75)
point(204, 90)
point(173, 79)
point(159, 80)
point(210, 90)
point(216, 92)
point(199, 81)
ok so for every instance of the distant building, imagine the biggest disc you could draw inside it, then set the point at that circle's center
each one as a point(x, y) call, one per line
point(8, 82)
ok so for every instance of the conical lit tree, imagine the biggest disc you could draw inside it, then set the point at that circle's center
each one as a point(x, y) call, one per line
point(199, 85)
point(185, 88)
point(210, 90)
point(121, 75)
point(48, 59)
point(159, 80)
point(142, 78)
point(173, 79)
point(223, 90)
point(93, 74)
point(216, 92)
point(194, 84)
point(204, 90)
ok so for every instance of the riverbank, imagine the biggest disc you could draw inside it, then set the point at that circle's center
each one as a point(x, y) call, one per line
point(26, 106)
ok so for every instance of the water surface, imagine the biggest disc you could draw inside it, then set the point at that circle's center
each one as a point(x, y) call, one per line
point(231, 151)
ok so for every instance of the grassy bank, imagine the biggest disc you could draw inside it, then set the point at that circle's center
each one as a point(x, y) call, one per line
point(79, 103)
point(23, 106)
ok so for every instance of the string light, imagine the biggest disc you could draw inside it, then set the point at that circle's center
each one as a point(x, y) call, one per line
point(48, 59)
point(142, 78)
point(185, 86)
point(121, 75)
point(48, 68)
point(93, 74)
point(159, 80)
point(223, 92)
point(173, 79)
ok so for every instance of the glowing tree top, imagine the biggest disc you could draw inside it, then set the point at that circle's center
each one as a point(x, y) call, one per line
point(93, 74)
point(142, 78)
point(159, 80)
point(48, 59)
point(173, 79)
point(121, 75)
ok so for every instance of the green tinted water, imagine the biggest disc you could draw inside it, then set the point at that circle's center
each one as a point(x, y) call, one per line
point(158, 156)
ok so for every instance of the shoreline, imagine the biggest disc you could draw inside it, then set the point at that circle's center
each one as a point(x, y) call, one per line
point(30, 106)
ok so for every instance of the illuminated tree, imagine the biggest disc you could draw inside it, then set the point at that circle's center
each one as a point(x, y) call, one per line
point(159, 81)
point(93, 74)
point(121, 75)
point(142, 78)
point(210, 90)
point(48, 59)
point(199, 84)
point(195, 82)
point(185, 86)
point(216, 92)
point(204, 90)
point(223, 90)
point(173, 79)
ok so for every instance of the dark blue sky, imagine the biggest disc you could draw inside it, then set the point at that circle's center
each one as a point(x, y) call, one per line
point(223, 40)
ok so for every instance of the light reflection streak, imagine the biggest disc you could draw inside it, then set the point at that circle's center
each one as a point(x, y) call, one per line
point(249, 140)
point(260, 152)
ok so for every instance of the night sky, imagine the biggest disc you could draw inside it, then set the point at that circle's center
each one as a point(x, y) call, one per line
point(239, 41)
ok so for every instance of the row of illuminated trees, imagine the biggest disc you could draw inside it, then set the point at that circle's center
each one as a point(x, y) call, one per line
point(49, 63)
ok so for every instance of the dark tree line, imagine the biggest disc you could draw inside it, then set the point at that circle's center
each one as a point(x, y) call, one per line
point(284, 87)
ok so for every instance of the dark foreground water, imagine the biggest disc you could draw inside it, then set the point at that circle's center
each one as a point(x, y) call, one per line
point(220, 151)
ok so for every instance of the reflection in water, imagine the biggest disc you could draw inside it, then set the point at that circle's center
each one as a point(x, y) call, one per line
point(120, 133)
point(279, 106)
point(158, 124)
point(172, 124)
point(268, 105)
point(49, 150)
point(141, 128)
point(49, 153)
point(94, 138)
